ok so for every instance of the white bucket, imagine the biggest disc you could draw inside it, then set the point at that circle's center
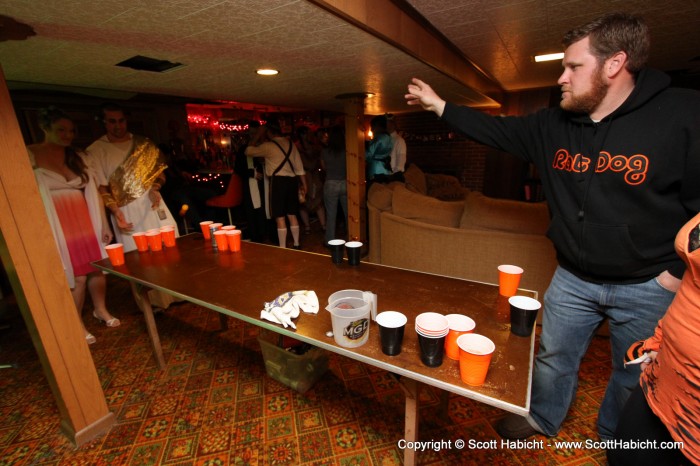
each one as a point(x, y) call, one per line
point(350, 319)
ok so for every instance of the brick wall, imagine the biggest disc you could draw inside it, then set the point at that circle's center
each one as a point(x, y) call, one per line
point(436, 148)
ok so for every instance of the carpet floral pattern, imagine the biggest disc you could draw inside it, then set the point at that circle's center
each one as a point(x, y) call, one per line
point(215, 405)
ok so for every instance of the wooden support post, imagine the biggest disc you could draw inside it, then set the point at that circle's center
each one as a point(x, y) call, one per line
point(355, 150)
point(29, 253)
point(411, 389)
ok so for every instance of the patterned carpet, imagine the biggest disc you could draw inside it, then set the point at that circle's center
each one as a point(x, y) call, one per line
point(215, 405)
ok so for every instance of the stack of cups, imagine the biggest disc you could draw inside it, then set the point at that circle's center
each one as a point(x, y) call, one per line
point(432, 328)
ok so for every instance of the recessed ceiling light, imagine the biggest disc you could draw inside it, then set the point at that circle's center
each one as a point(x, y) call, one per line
point(549, 57)
point(267, 72)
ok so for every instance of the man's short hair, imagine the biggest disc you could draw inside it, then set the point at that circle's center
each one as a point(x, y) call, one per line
point(612, 33)
point(110, 107)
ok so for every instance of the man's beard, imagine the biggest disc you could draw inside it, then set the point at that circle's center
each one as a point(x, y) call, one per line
point(588, 102)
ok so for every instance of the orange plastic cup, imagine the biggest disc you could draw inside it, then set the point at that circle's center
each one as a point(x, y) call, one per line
point(155, 240)
point(459, 325)
point(234, 240)
point(509, 279)
point(475, 352)
point(116, 253)
point(228, 227)
point(141, 241)
point(168, 235)
point(221, 241)
point(205, 228)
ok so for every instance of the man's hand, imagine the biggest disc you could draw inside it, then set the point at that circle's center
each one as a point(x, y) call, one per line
point(155, 198)
point(121, 221)
point(651, 355)
point(419, 93)
point(668, 281)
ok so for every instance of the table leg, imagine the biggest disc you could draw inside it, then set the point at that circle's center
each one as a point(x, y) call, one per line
point(150, 322)
point(223, 320)
point(411, 389)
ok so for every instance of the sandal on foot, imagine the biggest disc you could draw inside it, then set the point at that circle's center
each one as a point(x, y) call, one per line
point(90, 338)
point(111, 322)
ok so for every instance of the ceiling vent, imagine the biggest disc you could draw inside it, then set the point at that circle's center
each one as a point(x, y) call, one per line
point(141, 63)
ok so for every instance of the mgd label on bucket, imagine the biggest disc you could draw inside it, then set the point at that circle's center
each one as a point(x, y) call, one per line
point(356, 329)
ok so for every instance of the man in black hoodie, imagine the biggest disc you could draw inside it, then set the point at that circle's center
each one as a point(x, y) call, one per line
point(620, 166)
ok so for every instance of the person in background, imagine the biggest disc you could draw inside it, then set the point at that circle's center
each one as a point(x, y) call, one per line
point(665, 406)
point(335, 189)
point(75, 211)
point(180, 188)
point(620, 163)
point(309, 148)
point(130, 172)
point(378, 154)
point(285, 170)
point(398, 150)
point(251, 172)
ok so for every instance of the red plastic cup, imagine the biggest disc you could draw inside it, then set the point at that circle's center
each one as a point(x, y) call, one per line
point(116, 253)
point(155, 240)
point(475, 352)
point(205, 228)
point(168, 235)
point(459, 325)
point(234, 240)
point(141, 241)
point(509, 279)
point(221, 241)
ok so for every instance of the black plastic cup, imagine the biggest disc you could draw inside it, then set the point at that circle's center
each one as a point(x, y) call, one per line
point(523, 314)
point(353, 248)
point(391, 328)
point(337, 247)
point(431, 350)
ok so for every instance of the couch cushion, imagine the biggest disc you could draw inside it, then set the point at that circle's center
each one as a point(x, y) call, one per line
point(444, 187)
point(380, 194)
point(414, 206)
point(486, 213)
point(415, 179)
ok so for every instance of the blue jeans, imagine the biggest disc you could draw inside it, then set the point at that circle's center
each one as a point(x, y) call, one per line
point(573, 310)
point(334, 191)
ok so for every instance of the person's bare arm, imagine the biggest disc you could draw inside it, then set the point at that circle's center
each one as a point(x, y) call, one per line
point(420, 93)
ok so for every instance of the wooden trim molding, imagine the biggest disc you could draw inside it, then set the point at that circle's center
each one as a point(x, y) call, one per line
point(29, 253)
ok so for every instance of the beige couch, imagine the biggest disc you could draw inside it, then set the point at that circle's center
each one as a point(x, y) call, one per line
point(467, 236)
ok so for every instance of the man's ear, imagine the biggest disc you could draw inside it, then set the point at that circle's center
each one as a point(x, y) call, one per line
point(615, 64)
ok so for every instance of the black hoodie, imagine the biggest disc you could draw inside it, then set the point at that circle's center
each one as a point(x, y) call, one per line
point(618, 190)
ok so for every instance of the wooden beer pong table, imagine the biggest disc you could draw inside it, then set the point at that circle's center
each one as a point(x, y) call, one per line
point(238, 284)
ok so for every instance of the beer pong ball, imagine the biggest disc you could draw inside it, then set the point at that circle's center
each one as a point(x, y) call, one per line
point(509, 279)
point(205, 228)
point(475, 352)
point(221, 240)
point(116, 253)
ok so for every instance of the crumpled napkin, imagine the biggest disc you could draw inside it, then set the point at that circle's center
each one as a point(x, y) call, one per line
point(286, 307)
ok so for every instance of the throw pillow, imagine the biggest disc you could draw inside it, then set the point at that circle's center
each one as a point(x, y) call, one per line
point(415, 179)
point(444, 187)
